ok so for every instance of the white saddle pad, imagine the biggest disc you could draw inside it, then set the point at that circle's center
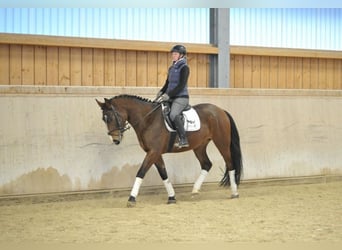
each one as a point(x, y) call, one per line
point(191, 121)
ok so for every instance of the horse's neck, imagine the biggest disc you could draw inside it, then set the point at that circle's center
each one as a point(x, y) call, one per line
point(137, 111)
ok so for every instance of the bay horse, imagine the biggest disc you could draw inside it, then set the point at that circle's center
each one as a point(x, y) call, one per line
point(145, 116)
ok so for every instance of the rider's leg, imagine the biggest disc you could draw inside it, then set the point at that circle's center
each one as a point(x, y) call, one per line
point(183, 141)
point(178, 105)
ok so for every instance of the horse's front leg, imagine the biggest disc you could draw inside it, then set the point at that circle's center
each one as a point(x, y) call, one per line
point(150, 158)
point(163, 174)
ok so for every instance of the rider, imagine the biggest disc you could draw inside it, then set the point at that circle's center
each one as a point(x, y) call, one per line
point(175, 90)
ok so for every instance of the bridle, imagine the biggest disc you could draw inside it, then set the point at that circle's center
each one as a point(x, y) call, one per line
point(119, 124)
point(124, 127)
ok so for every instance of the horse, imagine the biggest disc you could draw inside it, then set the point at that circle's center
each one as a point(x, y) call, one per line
point(145, 116)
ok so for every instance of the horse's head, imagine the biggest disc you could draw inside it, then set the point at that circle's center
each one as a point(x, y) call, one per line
point(116, 122)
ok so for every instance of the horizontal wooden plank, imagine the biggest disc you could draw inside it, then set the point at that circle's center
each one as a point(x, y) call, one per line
point(6, 38)
point(95, 91)
point(285, 52)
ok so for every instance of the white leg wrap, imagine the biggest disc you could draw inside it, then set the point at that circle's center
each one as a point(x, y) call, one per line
point(199, 181)
point(169, 188)
point(233, 185)
point(136, 186)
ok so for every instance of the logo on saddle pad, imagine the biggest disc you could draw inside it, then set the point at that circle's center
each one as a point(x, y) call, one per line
point(190, 119)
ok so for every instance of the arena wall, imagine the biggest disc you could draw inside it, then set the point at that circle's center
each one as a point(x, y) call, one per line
point(53, 139)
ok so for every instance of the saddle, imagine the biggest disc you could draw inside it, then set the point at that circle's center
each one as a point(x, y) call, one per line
point(190, 118)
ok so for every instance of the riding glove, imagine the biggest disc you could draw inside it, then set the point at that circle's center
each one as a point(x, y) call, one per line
point(164, 97)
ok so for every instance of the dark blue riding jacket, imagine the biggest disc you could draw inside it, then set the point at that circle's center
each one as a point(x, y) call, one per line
point(177, 80)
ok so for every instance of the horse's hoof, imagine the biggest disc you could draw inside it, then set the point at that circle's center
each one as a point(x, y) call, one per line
point(234, 196)
point(171, 200)
point(195, 193)
point(131, 202)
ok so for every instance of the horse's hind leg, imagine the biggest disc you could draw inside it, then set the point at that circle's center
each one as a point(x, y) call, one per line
point(229, 175)
point(201, 154)
point(168, 185)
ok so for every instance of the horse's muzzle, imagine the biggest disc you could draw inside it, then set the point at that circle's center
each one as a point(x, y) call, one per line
point(116, 140)
point(115, 137)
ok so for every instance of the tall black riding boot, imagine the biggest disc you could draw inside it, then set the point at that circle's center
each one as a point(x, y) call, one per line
point(183, 141)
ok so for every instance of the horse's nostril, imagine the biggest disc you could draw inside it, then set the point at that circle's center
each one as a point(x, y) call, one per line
point(117, 142)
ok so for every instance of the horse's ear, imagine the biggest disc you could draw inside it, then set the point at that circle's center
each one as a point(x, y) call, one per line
point(101, 104)
point(106, 100)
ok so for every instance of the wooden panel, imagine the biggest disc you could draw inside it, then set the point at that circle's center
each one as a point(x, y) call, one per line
point(27, 70)
point(76, 66)
point(290, 81)
point(141, 68)
point(131, 68)
point(152, 69)
point(239, 71)
point(298, 73)
point(322, 76)
point(163, 66)
point(192, 61)
point(202, 71)
point(256, 72)
point(52, 66)
point(306, 73)
point(338, 74)
point(120, 68)
point(274, 71)
point(265, 72)
point(87, 67)
point(247, 66)
point(330, 74)
point(4, 64)
point(68, 62)
point(15, 64)
point(231, 71)
point(40, 65)
point(98, 67)
point(64, 66)
point(109, 67)
point(282, 73)
point(314, 73)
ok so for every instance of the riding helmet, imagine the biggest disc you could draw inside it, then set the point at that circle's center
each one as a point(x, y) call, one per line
point(179, 48)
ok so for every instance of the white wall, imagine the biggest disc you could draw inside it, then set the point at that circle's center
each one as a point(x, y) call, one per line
point(308, 28)
point(305, 28)
point(155, 24)
point(53, 138)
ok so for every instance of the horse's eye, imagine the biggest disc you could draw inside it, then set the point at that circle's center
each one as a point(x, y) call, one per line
point(105, 118)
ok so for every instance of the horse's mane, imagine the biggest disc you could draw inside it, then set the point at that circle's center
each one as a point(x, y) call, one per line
point(139, 98)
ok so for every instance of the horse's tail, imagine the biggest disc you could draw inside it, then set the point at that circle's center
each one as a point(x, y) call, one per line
point(236, 155)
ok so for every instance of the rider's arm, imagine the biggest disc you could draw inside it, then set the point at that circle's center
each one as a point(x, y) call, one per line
point(166, 84)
